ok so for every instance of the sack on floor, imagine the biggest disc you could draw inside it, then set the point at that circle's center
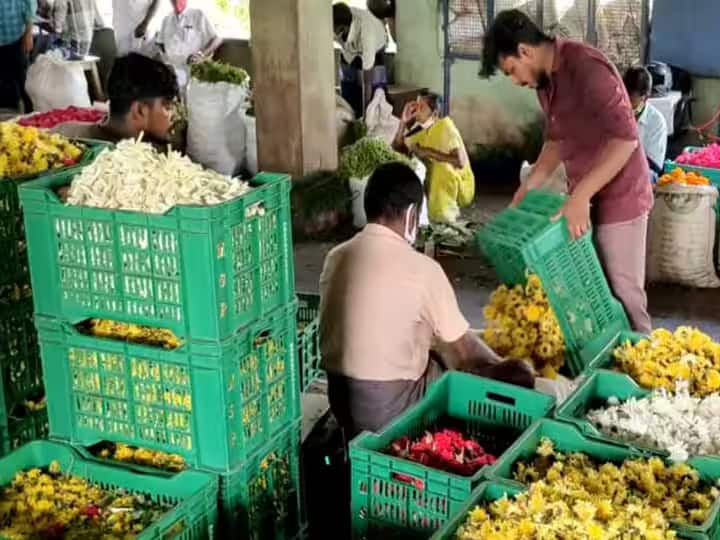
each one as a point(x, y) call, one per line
point(681, 236)
point(557, 181)
point(357, 191)
point(216, 125)
point(52, 83)
point(379, 118)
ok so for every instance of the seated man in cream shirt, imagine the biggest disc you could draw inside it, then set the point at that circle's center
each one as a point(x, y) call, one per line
point(383, 308)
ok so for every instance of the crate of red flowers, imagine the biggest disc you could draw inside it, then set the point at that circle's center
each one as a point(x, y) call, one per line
point(411, 477)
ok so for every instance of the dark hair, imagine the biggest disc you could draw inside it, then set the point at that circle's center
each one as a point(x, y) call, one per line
point(392, 188)
point(433, 100)
point(382, 9)
point(509, 29)
point(138, 78)
point(342, 16)
point(638, 81)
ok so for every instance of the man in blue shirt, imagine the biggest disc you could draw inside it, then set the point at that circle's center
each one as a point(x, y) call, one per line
point(16, 42)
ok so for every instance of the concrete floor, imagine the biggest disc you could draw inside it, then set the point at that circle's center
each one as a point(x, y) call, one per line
point(670, 306)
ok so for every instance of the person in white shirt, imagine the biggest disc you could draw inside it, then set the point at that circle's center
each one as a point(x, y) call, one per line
point(362, 38)
point(75, 22)
point(652, 128)
point(186, 37)
point(133, 24)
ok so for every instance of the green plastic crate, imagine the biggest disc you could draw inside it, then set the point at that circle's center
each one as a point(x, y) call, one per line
point(568, 439)
point(486, 493)
point(517, 242)
point(261, 499)
point(14, 262)
point(202, 272)
point(20, 366)
point(309, 339)
point(396, 498)
point(21, 426)
point(542, 202)
point(600, 356)
point(195, 493)
point(594, 393)
point(214, 406)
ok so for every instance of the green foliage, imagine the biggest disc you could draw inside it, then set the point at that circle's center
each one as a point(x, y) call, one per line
point(215, 72)
point(362, 158)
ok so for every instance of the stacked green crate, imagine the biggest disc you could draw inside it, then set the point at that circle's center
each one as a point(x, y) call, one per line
point(221, 278)
point(524, 239)
point(192, 494)
point(309, 339)
point(397, 498)
point(22, 414)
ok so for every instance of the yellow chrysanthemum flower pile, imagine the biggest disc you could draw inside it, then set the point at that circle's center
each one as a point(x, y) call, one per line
point(134, 333)
point(28, 150)
point(573, 496)
point(49, 504)
point(521, 324)
point(145, 457)
point(686, 354)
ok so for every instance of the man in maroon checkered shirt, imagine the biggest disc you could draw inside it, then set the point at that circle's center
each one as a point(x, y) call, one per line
point(590, 126)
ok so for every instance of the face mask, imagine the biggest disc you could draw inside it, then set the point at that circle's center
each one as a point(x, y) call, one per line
point(639, 110)
point(410, 228)
point(428, 123)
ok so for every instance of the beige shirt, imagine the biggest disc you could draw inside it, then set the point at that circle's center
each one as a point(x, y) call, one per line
point(382, 305)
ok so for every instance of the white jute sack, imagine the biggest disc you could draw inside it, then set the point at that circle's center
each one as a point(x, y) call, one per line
point(557, 181)
point(251, 159)
point(681, 236)
point(379, 118)
point(357, 190)
point(53, 83)
point(216, 125)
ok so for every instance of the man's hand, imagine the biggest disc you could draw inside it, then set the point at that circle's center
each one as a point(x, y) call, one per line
point(515, 372)
point(577, 213)
point(408, 112)
point(519, 195)
point(195, 58)
point(27, 39)
point(141, 30)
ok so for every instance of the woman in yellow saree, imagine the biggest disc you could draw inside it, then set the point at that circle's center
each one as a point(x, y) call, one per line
point(437, 142)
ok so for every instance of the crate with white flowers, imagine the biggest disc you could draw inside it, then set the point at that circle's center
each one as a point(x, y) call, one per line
point(157, 240)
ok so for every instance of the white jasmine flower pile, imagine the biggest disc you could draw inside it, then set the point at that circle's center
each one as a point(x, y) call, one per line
point(134, 176)
point(679, 423)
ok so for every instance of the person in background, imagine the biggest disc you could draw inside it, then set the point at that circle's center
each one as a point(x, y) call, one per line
point(362, 38)
point(437, 142)
point(142, 94)
point(384, 306)
point(16, 43)
point(652, 128)
point(385, 11)
point(187, 37)
point(132, 22)
point(75, 22)
point(589, 125)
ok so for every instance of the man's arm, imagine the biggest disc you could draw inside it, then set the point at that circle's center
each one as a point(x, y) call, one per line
point(454, 157)
point(547, 162)
point(141, 30)
point(473, 355)
point(27, 39)
point(60, 16)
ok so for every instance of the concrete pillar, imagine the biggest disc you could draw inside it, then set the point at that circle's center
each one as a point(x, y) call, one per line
point(294, 85)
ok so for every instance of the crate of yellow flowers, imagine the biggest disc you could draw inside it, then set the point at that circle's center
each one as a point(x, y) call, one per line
point(27, 153)
point(610, 488)
point(568, 301)
point(49, 491)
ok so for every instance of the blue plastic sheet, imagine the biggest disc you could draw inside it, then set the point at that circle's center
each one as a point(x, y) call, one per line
point(685, 34)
